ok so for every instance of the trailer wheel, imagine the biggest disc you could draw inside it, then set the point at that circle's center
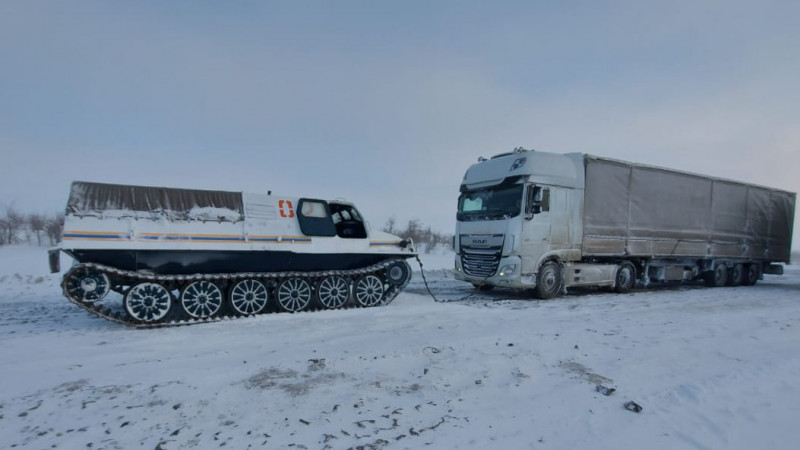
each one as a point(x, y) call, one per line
point(626, 278)
point(717, 277)
point(751, 274)
point(549, 280)
point(736, 275)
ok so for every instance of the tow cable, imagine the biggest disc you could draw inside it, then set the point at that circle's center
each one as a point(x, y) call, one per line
point(425, 280)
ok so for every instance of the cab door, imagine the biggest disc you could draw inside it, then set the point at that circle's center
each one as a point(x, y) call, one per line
point(536, 227)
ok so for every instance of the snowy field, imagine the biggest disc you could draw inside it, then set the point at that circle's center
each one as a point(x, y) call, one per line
point(712, 369)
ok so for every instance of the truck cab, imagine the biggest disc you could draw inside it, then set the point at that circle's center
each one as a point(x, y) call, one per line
point(517, 211)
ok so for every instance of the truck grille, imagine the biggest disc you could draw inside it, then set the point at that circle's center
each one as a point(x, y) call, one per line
point(481, 260)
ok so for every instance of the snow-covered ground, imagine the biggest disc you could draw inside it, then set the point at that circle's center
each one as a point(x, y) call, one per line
point(712, 368)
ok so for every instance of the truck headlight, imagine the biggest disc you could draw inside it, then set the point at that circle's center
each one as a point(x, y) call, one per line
point(507, 270)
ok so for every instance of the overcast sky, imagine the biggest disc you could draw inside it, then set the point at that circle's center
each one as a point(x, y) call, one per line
point(385, 103)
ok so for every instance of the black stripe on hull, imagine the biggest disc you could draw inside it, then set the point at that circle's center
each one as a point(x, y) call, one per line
point(183, 262)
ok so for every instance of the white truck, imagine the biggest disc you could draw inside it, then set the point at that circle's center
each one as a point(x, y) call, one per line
point(547, 222)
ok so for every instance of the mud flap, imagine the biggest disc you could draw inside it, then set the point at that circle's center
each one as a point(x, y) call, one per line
point(54, 258)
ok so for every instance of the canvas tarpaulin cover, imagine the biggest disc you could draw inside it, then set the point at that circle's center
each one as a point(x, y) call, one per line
point(99, 199)
point(641, 210)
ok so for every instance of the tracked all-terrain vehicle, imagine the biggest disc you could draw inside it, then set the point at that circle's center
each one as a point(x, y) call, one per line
point(179, 256)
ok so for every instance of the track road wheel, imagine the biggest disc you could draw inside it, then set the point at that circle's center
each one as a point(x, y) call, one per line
point(751, 274)
point(717, 277)
point(201, 299)
point(148, 302)
point(626, 278)
point(294, 294)
point(248, 297)
point(368, 291)
point(735, 275)
point(333, 292)
point(398, 273)
point(86, 285)
point(549, 280)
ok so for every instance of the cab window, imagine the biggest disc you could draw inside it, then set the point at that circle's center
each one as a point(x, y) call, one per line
point(348, 222)
point(315, 218)
point(537, 201)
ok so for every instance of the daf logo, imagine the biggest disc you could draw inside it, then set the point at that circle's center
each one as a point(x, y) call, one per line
point(482, 241)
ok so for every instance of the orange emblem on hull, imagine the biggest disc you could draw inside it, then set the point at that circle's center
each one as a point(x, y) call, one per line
point(286, 209)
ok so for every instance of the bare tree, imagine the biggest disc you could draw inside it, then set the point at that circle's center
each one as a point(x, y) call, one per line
point(390, 224)
point(413, 230)
point(54, 228)
point(10, 224)
point(37, 223)
point(422, 235)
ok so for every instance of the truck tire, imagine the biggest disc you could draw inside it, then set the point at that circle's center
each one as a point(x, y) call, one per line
point(625, 279)
point(736, 275)
point(717, 277)
point(549, 280)
point(752, 272)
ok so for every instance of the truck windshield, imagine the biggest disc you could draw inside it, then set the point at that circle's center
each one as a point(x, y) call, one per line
point(491, 203)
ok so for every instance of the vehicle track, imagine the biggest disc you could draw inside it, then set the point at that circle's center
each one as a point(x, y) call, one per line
point(124, 281)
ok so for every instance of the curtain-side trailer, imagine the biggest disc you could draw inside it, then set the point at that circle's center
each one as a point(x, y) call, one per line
point(547, 222)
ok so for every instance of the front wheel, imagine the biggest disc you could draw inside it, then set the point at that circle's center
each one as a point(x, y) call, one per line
point(625, 279)
point(549, 280)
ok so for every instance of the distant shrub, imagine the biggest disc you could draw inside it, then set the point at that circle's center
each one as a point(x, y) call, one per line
point(424, 237)
point(18, 228)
